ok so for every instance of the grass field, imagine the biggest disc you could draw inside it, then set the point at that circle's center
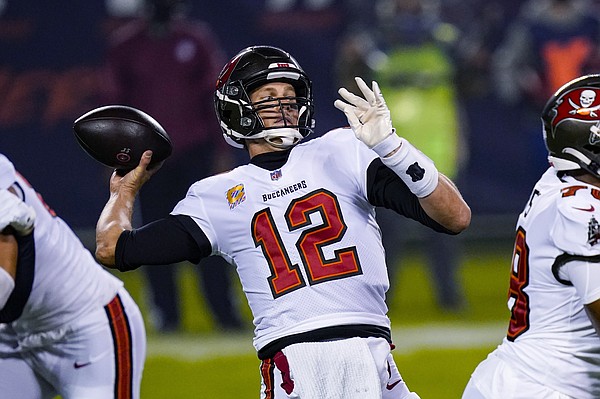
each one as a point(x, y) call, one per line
point(436, 351)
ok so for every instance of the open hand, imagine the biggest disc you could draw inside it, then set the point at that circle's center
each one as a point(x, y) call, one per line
point(369, 117)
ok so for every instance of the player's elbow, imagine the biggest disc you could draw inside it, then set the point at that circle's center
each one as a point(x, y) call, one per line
point(105, 250)
point(107, 236)
point(460, 220)
point(105, 255)
point(455, 216)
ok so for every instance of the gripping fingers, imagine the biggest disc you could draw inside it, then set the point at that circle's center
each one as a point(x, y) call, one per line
point(143, 172)
point(146, 158)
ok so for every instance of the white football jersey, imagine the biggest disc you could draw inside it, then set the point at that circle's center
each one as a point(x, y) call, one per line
point(550, 337)
point(67, 282)
point(303, 237)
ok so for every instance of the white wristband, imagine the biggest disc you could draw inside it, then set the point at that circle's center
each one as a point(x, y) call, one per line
point(388, 144)
point(7, 285)
point(415, 169)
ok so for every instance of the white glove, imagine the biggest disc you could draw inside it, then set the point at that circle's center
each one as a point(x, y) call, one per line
point(371, 122)
point(15, 213)
point(368, 117)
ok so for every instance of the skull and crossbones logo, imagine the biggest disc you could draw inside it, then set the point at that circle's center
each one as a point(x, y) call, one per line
point(586, 99)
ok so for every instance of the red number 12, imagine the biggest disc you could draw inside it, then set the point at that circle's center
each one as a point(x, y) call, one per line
point(285, 276)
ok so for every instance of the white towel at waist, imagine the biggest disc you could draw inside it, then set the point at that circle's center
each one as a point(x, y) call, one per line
point(341, 369)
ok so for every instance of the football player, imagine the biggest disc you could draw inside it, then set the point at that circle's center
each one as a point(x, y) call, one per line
point(67, 326)
point(552, 348)
point(298, 222)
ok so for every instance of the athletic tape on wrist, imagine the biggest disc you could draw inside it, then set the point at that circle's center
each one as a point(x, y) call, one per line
point(415, 169)
point(7, 284)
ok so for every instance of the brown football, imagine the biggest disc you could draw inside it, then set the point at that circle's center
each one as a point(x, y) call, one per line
point(118, 135)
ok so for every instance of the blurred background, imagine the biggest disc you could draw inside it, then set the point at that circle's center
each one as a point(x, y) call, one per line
point(52, 55)
point(465, 81)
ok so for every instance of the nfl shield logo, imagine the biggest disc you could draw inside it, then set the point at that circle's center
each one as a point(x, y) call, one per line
point(276, 174)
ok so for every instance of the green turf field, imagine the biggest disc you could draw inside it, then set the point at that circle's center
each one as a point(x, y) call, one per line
point(436, 352)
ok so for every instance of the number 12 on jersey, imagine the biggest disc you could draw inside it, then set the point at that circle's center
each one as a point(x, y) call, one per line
point(286, 277)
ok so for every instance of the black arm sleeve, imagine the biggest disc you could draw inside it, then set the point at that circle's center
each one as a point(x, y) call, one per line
point(165, 241)
point(386, 189)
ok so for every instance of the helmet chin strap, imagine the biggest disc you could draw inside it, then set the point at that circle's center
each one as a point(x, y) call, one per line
point(284, 137)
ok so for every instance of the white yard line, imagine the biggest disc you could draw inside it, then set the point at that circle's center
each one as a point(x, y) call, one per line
point(448, 336)
point(407, 340)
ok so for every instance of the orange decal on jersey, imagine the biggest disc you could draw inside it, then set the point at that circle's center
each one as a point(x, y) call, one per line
point(571, 191)
point(235, 195)
point(596, 193)
point(119, 326)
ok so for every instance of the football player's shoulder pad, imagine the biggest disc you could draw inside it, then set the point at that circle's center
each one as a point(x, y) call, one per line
point(577, 219)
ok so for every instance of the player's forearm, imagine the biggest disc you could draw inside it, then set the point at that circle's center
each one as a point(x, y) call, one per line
point(446, 206)
point(114, 219)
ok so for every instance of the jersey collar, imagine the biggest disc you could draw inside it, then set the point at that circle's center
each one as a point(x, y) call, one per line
point(271, 160)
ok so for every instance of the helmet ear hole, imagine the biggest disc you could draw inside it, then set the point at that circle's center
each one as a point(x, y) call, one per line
point(246, 121)
point(233, 92)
